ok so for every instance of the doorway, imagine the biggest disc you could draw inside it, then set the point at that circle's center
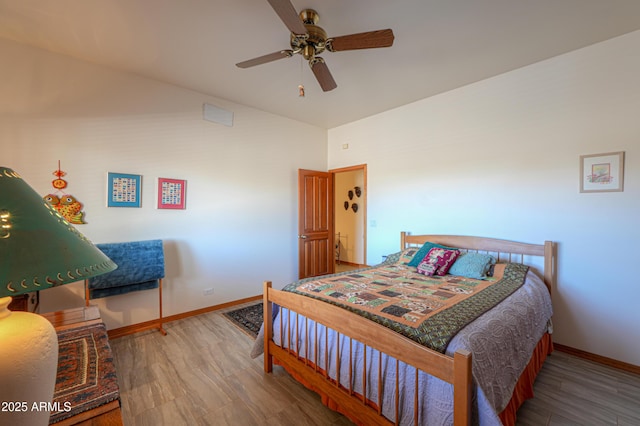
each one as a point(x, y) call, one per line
point(350, 216)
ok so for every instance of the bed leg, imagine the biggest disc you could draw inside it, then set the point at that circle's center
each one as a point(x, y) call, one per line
point(267, 309)
point(462, 391)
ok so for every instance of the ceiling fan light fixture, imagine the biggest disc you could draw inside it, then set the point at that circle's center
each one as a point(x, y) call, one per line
point(309, 17)
point(308, 52)
point(310, 40)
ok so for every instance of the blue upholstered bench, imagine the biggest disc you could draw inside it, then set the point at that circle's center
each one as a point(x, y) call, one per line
point(140, 267)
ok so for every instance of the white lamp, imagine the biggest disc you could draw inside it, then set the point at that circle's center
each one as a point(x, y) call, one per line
point(39, 249)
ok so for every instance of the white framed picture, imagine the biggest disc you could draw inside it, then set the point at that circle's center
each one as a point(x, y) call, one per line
point(602, 172)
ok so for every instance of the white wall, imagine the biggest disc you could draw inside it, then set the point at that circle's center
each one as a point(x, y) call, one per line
point(240, 224)
point(496, 158)
point(500, 158)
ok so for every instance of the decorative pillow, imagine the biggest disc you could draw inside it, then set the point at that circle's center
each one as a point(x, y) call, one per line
point(472, 265)
point(417, 258)
point(400, 258)
point(437, 261)
point(406, 255)
point(391, 259)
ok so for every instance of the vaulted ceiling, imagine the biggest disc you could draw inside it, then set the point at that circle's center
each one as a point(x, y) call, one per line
point(439, 45)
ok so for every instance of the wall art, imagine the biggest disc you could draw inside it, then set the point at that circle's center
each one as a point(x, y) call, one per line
point(172, 193)
point(66, 204)
point(123, 190)
point(602, 172)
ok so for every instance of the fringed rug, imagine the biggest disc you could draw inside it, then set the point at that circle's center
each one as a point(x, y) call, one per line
point(247, 319)
point(86, 375)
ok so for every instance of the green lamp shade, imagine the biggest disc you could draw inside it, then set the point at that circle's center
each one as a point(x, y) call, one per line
point(39, 249)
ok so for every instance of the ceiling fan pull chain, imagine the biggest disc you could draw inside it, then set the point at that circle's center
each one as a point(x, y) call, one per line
point(301, 85)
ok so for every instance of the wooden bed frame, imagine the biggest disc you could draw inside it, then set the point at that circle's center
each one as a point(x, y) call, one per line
point(455, 370)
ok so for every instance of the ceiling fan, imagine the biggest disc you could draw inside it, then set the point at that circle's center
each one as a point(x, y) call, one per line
point(309, 40)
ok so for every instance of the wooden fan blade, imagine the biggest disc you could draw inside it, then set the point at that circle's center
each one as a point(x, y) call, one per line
point(288, 15)
point(265, 58)
point(367, 40)
point(322, 73)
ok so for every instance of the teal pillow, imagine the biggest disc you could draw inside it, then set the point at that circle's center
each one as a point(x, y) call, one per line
point(472, 265)
point(417, 258)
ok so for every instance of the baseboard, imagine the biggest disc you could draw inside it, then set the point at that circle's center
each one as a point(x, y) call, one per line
point(598, 358)
point(148, 325)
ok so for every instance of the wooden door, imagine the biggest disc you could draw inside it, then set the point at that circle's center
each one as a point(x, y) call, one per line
point(315, 223)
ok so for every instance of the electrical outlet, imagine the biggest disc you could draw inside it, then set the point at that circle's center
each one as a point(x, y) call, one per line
point(207, 291)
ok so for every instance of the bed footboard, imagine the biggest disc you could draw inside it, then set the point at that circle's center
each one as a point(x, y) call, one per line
point(455, 370)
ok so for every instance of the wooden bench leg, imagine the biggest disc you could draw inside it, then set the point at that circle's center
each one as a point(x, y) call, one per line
point(162, 330)
point(86, 292)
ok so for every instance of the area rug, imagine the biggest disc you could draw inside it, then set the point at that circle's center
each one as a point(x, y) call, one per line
point(247, 319)
point(86, 374)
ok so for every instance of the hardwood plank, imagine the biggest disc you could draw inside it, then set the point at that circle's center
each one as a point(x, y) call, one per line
point(574, 390)
point(619, 365)
point(201, 374)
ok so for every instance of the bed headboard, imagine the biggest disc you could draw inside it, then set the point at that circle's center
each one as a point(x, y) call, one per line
point(503, 250)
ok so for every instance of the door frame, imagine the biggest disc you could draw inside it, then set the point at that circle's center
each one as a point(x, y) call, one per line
point(362, 167)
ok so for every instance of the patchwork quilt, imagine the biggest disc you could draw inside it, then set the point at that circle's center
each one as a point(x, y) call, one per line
point(427, 309)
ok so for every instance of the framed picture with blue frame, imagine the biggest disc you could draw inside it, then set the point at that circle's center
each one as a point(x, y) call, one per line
point(124, 190)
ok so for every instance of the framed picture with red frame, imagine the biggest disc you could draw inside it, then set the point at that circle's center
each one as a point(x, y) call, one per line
point(172, 193)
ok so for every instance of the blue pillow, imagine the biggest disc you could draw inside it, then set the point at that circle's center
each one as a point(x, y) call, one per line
point(472, 265)
point(417, 258)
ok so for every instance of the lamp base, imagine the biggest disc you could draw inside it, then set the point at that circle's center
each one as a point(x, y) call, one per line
point(28, 367)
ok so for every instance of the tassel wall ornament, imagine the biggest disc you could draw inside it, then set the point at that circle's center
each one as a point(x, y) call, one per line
point(65, 204)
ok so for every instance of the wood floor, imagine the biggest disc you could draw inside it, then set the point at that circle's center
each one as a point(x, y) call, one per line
point(201, 374)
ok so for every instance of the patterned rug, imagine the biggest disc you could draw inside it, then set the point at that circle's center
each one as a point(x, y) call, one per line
point(247, 319)
point(86, 374)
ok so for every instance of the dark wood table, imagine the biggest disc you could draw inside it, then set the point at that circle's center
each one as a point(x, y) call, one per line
point(105, 415)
